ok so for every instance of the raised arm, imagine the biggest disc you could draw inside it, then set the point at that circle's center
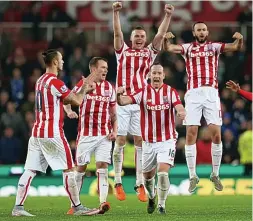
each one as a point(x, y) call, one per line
point(158, 39)
point(236, 45)
point(118, 35)
point(167, 46)
point(236, 88)
point(123, 100)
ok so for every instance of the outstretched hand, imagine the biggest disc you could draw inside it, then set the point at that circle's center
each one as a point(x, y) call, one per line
point(233, 86)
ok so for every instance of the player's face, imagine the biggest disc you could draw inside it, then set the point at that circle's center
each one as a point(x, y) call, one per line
point(101, 70)
point(200, 32)
point(138, 38)
point(59, 62)
point(157, 76)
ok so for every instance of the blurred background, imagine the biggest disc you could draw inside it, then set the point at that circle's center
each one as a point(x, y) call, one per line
point(83, 29)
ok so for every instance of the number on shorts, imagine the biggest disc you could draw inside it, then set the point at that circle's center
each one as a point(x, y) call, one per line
point(38, 101)
point(172, 153)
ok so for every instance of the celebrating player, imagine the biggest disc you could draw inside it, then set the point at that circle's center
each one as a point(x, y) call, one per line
point(133, 66)
point(236, 88)
point(157, 103)
point(48, 145)
point(97, 129)
point(202, 95)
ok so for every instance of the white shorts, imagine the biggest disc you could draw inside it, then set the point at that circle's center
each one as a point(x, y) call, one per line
point(99, 145)
point(202, 100)
point(160, 152)
point(129, 120)
point(54, 152)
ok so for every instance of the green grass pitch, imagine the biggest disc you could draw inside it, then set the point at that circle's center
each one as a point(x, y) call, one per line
point(201, 208)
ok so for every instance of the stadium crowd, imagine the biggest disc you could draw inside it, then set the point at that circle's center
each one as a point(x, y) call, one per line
point(19, 71)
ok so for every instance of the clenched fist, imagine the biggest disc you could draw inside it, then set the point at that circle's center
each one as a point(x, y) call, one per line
point(120, 91)
point(237, 35)
point(117, 6)
point(169, 35)
point(168, 8)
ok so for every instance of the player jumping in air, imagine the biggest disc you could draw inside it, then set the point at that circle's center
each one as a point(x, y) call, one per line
point(202, 96)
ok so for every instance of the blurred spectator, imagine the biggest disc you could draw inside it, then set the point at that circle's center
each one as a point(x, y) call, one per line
point(78, 61)
point(245, 149)
point(226, 98)
point(57, 41)
point(57, 15)
point(10, 147)
point(4, 98)
point(112, 64)
point(36, 73)
point(3, 7)
point(29, 104)
point(5, 47)
point(33, 16)
point(76, 76)
point(186, 34)
point(227, 124)
point(17, 86)
point(13, 13)
point(230, 153)
point(245, 15)
point(203, 145)
point(29, 121)
point(12, 118)
point(239, 114)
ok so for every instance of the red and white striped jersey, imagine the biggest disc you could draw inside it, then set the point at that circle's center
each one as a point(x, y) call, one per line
point(202, 63)
point(94, 115)
point(157, 112)
point(49, 115)
point(133, 66)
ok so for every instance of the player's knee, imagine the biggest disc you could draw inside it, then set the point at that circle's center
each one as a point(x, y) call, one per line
point(216, 138)
point(118, 150)
point(120, 141)
point(191, 135)
point(138, 141)
point(102, 165)
point(81, 169)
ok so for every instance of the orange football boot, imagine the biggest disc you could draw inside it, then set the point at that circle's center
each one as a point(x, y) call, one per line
point(119, 192)
point(141, 194)
point(104, 207)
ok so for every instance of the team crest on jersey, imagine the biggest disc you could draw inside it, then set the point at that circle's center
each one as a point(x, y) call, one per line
point(165, 99)
point(64, 89)
point(149, 100)
point(107, 92)
point(210, 47)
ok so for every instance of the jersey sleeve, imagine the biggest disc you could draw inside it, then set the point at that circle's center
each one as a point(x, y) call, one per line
point(175, 99)
point(119, 52)
point(184, 49)
point(136, 97)
point(153, 52)
point(59, 89)
point(78, 86)
point(219, 47)
point(247, 95)
point(113, 98)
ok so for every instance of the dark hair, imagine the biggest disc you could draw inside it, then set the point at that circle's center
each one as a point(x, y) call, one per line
point(154, 64)
point(138, 28)
point(198, 22)
point(49, 55)
point(93, 62)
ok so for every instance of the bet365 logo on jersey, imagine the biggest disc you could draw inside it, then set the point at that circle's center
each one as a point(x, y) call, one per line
point(136, 54)
point(202, 54)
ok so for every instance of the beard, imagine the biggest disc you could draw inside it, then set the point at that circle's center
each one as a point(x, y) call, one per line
point(200, 40)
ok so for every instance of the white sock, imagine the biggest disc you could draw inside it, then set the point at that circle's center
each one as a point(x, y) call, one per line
point(190, 155)
point(163, 185)
point(70, 186)
point(23, 186)
point(79, 182)
point(117, 162)
point(150, 187)
point(216, 151)
point(138, 165)
point(103, 185)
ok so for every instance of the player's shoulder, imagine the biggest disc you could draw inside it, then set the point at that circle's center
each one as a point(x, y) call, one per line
point(108, 84)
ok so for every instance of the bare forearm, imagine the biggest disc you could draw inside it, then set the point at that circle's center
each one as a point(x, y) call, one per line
point(123, 100)
point(116, 23)
point(164, 25)
point(114, 123)
point(179, 108)
point(67, 108)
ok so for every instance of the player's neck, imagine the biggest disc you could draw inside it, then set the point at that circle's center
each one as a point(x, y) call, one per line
point(52, 71)
point(200, 43)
